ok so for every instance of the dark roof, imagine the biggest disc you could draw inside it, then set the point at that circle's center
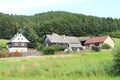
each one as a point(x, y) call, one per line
point(96, 39)
point(72, 40)
point(55, 38)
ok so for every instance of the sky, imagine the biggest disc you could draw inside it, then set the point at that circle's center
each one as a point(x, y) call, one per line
point(100, 8)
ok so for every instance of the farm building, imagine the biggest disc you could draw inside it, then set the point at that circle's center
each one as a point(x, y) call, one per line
point(98, 41)
point(65, 42)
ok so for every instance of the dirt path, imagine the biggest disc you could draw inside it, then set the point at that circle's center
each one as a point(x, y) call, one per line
point(35, 57)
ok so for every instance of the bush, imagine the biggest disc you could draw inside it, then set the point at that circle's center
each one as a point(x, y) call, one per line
point(96, 48)
point(51, 49)
point(116, 53)
point(39, 47)
point(105, 46)
point(56, 47)
point(48, 50)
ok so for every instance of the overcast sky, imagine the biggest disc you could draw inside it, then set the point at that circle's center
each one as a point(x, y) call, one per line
point(100, 8)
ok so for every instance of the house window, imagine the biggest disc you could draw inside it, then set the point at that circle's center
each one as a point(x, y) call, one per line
point(96, 44)
point(16, 44)
point(23, 44)
point(74, 48)
point(18, 38)
point(19, 44)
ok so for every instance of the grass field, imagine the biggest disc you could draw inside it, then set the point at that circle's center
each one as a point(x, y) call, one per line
point(78, 66)
point(89, 66)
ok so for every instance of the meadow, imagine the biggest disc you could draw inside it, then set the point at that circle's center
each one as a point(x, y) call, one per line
point(78, 66)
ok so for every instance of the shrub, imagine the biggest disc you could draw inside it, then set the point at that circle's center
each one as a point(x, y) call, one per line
point(105, 46)
point(56, 47)
point(51, 49)
point(116, 53)
point(96, 48)
point(39, 47)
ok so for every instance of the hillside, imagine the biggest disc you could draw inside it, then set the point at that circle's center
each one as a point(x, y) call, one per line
point(57, 21)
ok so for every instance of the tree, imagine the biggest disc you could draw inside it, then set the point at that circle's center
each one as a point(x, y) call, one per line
point(39, 47)
point(30, 34)
point(60, 22)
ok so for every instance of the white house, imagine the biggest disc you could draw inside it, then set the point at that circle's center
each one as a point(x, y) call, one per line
point(17, 44)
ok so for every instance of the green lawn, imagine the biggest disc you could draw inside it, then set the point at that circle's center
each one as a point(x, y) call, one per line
point(89, 66)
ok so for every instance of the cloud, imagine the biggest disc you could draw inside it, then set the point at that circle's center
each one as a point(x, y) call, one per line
point(18, 6)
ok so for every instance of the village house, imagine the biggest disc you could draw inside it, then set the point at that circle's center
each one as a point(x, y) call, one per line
point(65, 42)
point(98, 41)
point(17, 44)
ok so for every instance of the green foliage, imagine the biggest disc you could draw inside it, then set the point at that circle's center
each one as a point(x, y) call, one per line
point(56, 47)
point(48, 50)
point(58, 21)
point(51, 49)
point(41, 39)
point(39, 47)
point(1, 48)
point(105, 46)
point(96, 48)
point(2, 45)
point(116, 53)
point(30, 34)
point(115, 34)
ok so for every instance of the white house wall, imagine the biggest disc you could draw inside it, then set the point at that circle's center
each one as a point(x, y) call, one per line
point(110, 42)
point(19, 38)
point(17, 50)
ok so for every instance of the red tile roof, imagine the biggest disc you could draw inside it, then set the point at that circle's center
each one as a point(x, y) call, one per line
point(96, 39)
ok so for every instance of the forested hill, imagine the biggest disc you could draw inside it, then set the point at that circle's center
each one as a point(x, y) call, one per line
point(59, 22)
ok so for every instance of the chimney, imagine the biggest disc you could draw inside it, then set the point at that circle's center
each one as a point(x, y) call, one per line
point(55, 34)
point(64, 37)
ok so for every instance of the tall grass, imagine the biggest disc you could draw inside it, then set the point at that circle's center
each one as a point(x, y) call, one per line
point(59, 67)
